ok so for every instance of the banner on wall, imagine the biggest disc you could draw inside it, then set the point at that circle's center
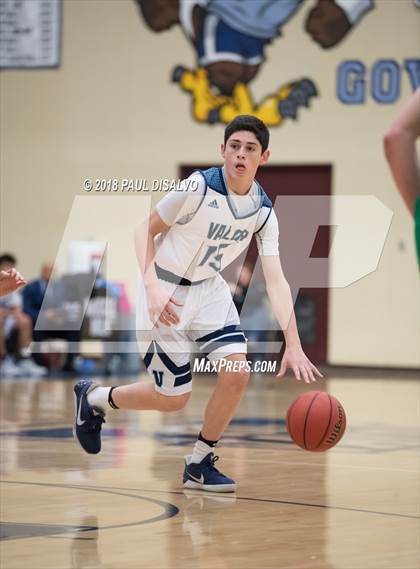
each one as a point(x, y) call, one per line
point(30, 32)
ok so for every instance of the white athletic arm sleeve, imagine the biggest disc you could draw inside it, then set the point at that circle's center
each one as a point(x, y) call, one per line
point(268, 237)
point(182, 203)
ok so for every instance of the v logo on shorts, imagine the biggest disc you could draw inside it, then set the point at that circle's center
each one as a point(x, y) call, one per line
point(158, 375)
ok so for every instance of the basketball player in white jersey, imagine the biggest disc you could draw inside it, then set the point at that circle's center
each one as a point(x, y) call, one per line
point(188, 239)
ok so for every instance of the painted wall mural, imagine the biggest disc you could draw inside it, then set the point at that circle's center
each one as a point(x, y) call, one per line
point(229, 38)
point(356, 82)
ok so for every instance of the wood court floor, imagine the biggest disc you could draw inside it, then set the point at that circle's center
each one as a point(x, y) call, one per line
point(354, 507)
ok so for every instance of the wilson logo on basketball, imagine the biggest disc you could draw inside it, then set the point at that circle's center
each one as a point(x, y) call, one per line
point(337, 427)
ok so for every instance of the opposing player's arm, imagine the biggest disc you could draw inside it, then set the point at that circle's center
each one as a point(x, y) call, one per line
point(401, 153)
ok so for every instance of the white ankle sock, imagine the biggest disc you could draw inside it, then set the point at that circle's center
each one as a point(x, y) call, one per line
point(200, 451)
point(25, 352)
point(98, 397)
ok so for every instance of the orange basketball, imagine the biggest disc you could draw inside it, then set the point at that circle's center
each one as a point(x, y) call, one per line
point(316, 421)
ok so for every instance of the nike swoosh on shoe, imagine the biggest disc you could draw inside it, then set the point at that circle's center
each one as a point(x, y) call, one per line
point(79, 421)
point(199, 480)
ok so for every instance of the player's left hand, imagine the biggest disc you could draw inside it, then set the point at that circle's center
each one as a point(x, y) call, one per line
point(296, 360)
point(10, 281)
point(327, 23)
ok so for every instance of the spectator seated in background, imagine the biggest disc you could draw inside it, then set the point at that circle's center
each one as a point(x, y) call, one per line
point(108, 317)
point(15, 332)
point(51, 321)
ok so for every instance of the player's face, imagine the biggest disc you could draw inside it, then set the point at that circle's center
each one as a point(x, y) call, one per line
point(242, 155)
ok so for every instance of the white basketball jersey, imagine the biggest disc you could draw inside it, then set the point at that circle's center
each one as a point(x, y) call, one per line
point(210, 232)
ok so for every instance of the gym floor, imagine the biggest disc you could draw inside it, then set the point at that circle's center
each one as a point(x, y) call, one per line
point(353, 507)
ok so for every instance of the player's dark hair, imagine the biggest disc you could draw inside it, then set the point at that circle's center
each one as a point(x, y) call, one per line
point(248, 122)
point(7, 258)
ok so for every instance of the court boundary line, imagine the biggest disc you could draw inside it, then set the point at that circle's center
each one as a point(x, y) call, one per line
point(116, 489)
point(170, 510)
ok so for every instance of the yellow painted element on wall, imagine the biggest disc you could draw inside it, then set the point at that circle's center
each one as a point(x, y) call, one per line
point(209, 107)
point(203, 99)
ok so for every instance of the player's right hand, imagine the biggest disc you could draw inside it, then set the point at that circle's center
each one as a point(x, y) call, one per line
point(160, 308)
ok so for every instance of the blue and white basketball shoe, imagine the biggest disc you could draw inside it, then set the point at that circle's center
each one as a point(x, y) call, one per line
point(205, 476)
point(88, 422)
